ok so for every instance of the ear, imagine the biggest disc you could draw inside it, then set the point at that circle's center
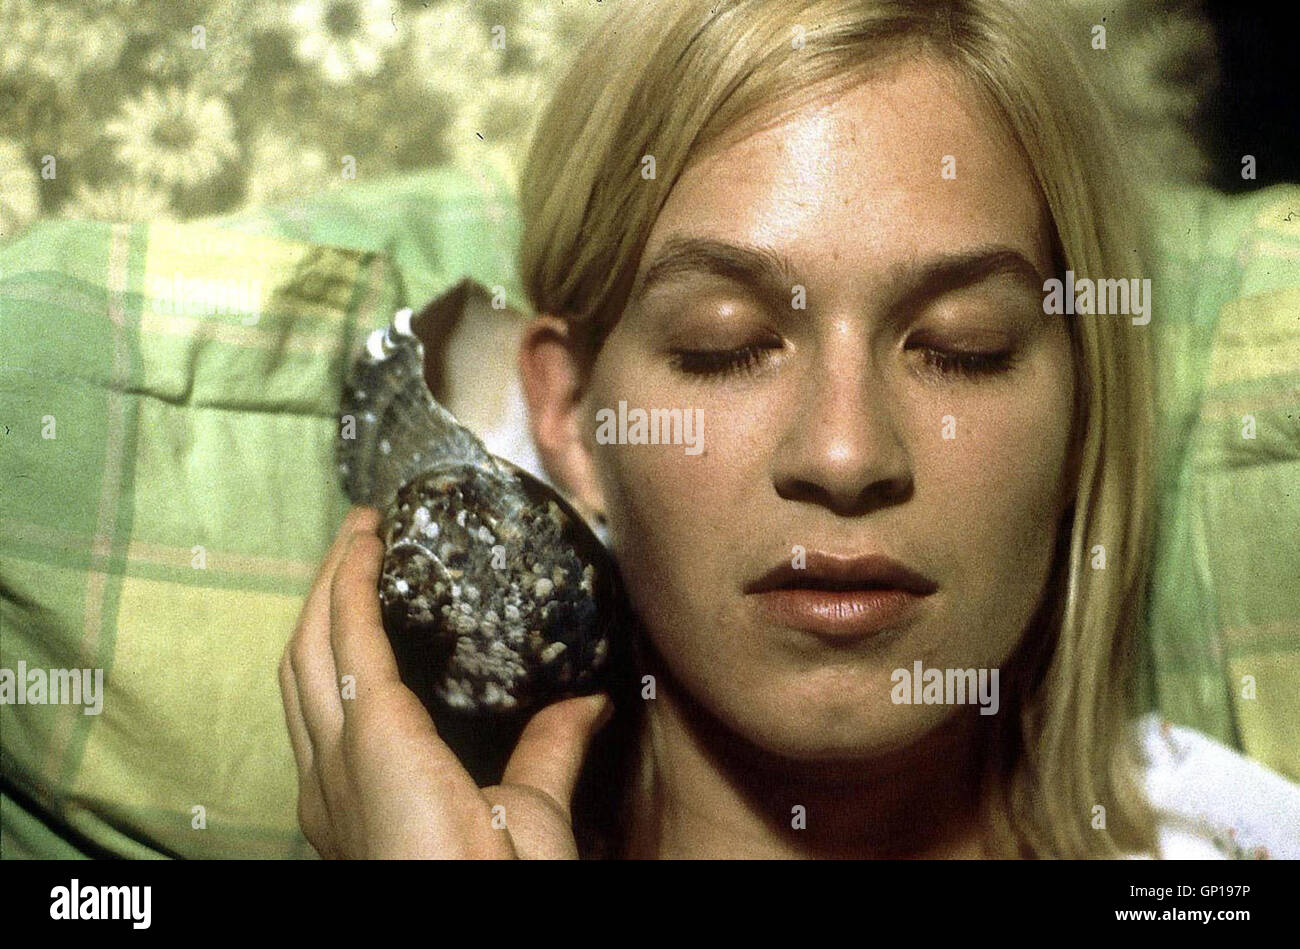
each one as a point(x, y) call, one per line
point(551, 371)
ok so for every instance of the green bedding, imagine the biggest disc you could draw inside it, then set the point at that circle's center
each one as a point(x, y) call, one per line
point(170, 528)
point(1225, 605)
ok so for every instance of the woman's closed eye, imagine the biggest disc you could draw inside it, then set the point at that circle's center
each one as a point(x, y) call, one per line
point(968, 363)
point(739, 360)
point(747, 359)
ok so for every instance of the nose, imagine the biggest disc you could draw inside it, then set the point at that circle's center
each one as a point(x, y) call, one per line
point(843, 448)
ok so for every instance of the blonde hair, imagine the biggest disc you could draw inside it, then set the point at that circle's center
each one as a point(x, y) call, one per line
point(671, 78)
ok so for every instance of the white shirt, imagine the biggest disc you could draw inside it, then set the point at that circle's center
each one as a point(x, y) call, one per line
point(1212, 803)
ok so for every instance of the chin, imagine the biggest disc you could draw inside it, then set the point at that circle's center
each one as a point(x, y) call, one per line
point(813, 721)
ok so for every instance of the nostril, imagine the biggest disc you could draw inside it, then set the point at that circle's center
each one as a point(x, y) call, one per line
point(881, 493)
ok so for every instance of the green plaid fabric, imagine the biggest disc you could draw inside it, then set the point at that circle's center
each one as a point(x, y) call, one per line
point(1225, 606)
point(169, 488)
point(167, 529)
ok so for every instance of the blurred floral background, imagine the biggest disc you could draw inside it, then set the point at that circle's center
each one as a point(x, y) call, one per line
point(134, 109)
point(187, 108)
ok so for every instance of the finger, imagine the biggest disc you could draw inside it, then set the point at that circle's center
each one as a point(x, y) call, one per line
point(314, 822)
point(312, 814)
point(358, 518)
point(382, 712)
point(554, 743)
point(539, 827)
point(298, 737)
point(318, 689)
point(357, 638)
point(310, 652)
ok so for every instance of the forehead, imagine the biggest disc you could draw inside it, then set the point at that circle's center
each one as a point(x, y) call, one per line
point(855, 183)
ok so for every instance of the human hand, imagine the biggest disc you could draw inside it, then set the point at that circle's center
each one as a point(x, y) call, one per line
point(374, 778)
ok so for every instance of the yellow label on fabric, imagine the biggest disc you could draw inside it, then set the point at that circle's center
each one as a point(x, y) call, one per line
point(227, 277)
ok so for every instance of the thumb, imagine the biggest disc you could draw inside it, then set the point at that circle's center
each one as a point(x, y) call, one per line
point(554, 743)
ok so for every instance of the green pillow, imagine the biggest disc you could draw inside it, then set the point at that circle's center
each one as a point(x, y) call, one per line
point(436, 227)
point(1225, 604)
point(169, 396)
point(169, 488)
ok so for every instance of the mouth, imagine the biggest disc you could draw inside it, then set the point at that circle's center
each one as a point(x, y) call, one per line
point(841, 599)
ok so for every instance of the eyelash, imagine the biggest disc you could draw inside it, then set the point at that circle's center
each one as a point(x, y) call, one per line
point(967, 363)
point(744, 360)
point(720, 362)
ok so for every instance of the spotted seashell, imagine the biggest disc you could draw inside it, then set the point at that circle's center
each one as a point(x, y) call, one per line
point(496, 596)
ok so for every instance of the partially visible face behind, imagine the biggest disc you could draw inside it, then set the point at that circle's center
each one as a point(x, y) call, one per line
point(828, 431)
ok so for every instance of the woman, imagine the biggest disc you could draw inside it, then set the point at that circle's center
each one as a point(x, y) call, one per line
point(827, 226)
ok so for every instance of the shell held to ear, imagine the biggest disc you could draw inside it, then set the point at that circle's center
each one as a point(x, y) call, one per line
point(496, 595)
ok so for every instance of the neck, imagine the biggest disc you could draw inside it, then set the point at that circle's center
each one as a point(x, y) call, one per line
point(713, 794)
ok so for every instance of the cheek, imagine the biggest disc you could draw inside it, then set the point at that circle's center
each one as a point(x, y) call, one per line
point(993, 493)
point(1005, 464)
point(680, 522)
point(654, 515)
point(658, 499)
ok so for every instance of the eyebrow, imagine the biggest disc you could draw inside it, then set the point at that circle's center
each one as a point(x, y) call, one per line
point(772, 275)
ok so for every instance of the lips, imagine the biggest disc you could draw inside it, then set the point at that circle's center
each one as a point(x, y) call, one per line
point(844, 599)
